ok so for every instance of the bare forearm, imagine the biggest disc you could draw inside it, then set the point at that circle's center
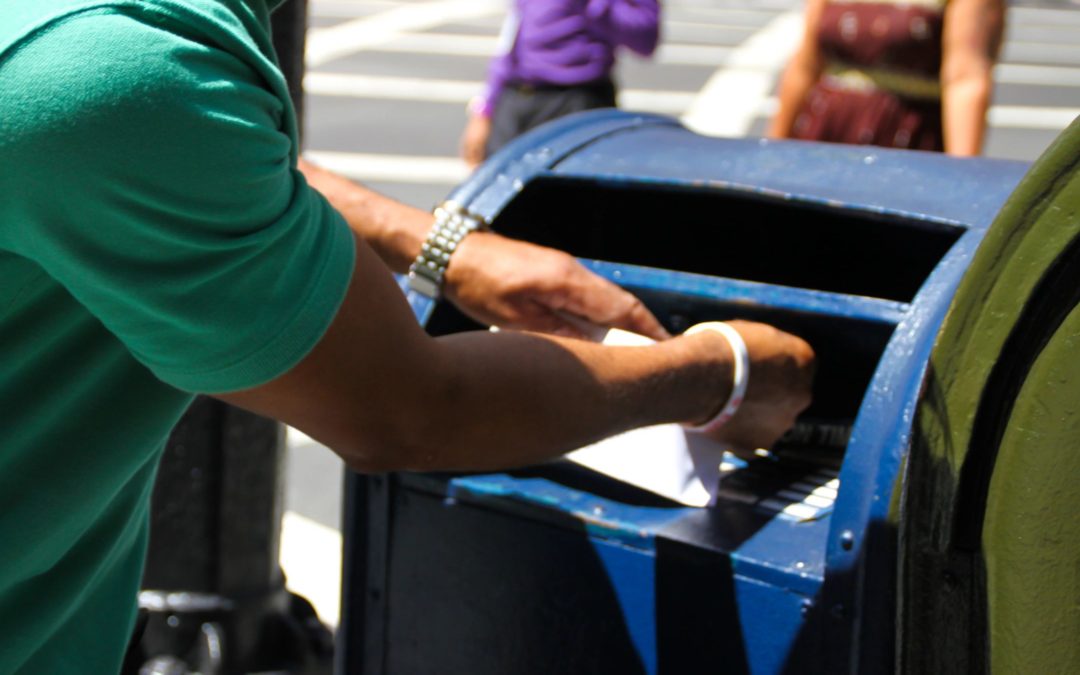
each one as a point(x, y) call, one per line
point(802, 72)
point(495, 280)
point(794, 87)
point(513, 398)
point(394, 230)
point(964, 105)
point(971, 40)
point(385, 396)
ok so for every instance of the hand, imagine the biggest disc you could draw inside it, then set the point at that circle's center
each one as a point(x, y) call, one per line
point(781, 372)
point(474, 139)
point(515, 284)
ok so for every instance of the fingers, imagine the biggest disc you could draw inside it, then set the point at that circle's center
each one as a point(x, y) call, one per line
point(780, 385)
point(636, 318)
point(515, 284)
point(605, 304)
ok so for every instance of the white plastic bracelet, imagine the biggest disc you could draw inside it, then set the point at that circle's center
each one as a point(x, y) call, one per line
point(740, 378)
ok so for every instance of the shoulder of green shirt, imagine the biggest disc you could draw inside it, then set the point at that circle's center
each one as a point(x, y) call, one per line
point(177, 151)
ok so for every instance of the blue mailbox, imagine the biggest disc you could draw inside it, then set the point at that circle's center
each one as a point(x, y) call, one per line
point(555, 569)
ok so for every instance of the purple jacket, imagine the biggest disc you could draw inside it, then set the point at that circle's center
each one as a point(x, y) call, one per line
point(567, 42)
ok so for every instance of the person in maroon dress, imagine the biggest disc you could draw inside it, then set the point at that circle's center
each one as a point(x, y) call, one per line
point(914, 74)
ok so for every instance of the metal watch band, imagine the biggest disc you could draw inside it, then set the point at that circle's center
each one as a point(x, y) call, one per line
point(452, 224)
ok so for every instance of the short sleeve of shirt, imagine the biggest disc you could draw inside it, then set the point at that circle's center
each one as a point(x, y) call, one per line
point(154, 181)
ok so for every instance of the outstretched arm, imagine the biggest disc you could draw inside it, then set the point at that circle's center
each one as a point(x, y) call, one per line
point(972, 39)
point(386, 396)
point(297, 326)
point(493, 279)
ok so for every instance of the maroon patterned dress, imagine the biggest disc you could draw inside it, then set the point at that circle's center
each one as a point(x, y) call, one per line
point(881, 84)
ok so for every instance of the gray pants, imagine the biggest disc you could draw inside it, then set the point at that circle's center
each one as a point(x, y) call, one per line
point(522, 107)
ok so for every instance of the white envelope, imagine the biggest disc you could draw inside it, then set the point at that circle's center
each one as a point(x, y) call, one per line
point(665, 459)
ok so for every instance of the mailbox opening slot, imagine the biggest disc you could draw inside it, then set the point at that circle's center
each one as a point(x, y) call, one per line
point(848, 350)
point(732, 233)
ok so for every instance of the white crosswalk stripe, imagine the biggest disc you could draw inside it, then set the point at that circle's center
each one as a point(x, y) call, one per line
point(1043, 16)
point(370, 167)
point(1051, 76)
point(368, 32)
point(729, 102)
point(459, 91)
point(716, 110)
point(311, 559)
point(329, 45)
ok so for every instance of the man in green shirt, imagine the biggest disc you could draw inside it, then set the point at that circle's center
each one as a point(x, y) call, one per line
point(159, 236)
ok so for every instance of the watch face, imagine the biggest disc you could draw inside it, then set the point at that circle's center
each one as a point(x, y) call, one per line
point(423, 285)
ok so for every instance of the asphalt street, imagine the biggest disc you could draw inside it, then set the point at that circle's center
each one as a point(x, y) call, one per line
point(387, 85)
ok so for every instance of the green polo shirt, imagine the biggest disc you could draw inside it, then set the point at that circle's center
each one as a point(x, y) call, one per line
point(155, 240)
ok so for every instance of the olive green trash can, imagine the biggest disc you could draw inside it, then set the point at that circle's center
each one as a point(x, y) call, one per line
point(990, 537)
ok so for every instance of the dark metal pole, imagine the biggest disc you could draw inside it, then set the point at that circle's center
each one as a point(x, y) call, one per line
point(290, 29)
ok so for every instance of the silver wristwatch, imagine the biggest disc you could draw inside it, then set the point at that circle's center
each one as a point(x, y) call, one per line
point(452, 224)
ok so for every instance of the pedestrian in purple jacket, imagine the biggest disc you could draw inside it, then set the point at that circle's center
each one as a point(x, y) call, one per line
point(555, 58)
